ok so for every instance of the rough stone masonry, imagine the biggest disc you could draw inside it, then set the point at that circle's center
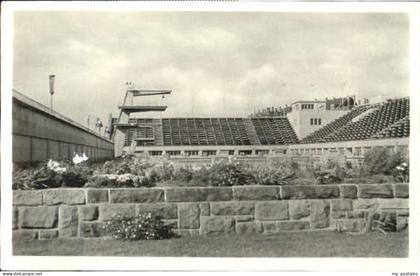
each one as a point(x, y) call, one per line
point(81, 213)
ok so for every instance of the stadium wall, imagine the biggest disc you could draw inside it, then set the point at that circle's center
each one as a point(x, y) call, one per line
point(82, 213)
point(40, 134)
point(349, 149)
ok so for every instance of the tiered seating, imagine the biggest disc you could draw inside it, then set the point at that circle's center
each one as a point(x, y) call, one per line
point(398, 129)
point(370, 125)
point(138, 133)
point(319, 135)
point(273, 131)
point(204, 131)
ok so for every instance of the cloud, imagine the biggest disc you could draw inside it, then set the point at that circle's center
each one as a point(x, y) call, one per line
point(217, 64)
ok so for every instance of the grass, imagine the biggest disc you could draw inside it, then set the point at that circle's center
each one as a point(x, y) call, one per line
point(304, 244)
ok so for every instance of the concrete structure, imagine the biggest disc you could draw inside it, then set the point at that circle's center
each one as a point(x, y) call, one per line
point(40, 134)
point(308, 116)
point(118, 133)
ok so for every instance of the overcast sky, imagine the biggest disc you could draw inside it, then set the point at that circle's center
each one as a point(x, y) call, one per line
point(217, 64)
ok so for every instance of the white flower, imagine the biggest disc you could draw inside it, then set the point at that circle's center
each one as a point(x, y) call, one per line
point(84, 157)
point(77, 159)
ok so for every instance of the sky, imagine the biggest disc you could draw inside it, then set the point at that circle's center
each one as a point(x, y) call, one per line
point(216, 64)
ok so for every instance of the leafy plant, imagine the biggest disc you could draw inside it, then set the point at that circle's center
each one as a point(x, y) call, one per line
point(273, 173)
point(144, 226)
point(382, 161)
point(51, 174)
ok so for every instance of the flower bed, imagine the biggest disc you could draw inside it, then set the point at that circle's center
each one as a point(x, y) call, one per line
point(379, 166)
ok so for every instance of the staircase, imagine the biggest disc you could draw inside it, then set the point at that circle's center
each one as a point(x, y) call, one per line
point(250, 130)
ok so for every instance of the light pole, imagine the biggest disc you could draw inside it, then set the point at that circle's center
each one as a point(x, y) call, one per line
point(52, 80)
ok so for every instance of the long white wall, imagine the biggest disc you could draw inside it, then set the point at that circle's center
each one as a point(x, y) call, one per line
point(39, 134)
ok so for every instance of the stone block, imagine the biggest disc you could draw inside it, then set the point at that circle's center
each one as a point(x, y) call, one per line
point(15, 218)
point(68, 222)
point(349, 225)
point(142, 195)
point(25, 235)
point(217, 225)
point(232, 208)
point(106, 212)
point(341, 205)
point(365, 203)
point(248, 228)
point(244, 218)
point(92, 230)
point(320, 214)
point(204, 209)
point(38, 217)
point(404, 212)
point(198, 194)
point(356, 214)
point(164, 210)
point(272, 210)
point(402, 223)
point(48, 234)
point(348, 191)
point(88, 212)
point(401, 190)
point(280, 226)
point(256, 193)
point(299, 209)
point(189, 216)
point(310, 192)
point(173, 223)
point(395, 203)
point(64, 196)
point(27, 197)
point(97, 195)
point(338, 214)
point(375, 191)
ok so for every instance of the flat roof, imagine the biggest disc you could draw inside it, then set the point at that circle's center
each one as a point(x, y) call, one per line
point(309, 102)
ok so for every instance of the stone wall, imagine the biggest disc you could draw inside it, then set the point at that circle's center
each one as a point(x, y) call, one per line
point(81, 213)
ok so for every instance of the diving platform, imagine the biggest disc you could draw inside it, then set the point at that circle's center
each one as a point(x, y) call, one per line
point(148, 92)
point(142, 108)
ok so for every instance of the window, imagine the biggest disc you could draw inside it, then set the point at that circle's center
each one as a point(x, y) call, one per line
point(172, 152)
point(315, 121)
point(261, 152)
point(209, 152)
point(231, 152)
point(191, 152)
point(155, 153)
point(245, 152)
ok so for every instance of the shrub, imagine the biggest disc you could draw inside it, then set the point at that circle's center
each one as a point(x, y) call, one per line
point(35, 178)
point(118, 181)
point(329, 169)
point(382, 161)
point(76, 175)
point(273, 173)
point(51, 174)
point(226, 173)
point(144, 226)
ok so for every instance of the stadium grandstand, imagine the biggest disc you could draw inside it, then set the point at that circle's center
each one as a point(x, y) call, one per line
point(346, 125)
